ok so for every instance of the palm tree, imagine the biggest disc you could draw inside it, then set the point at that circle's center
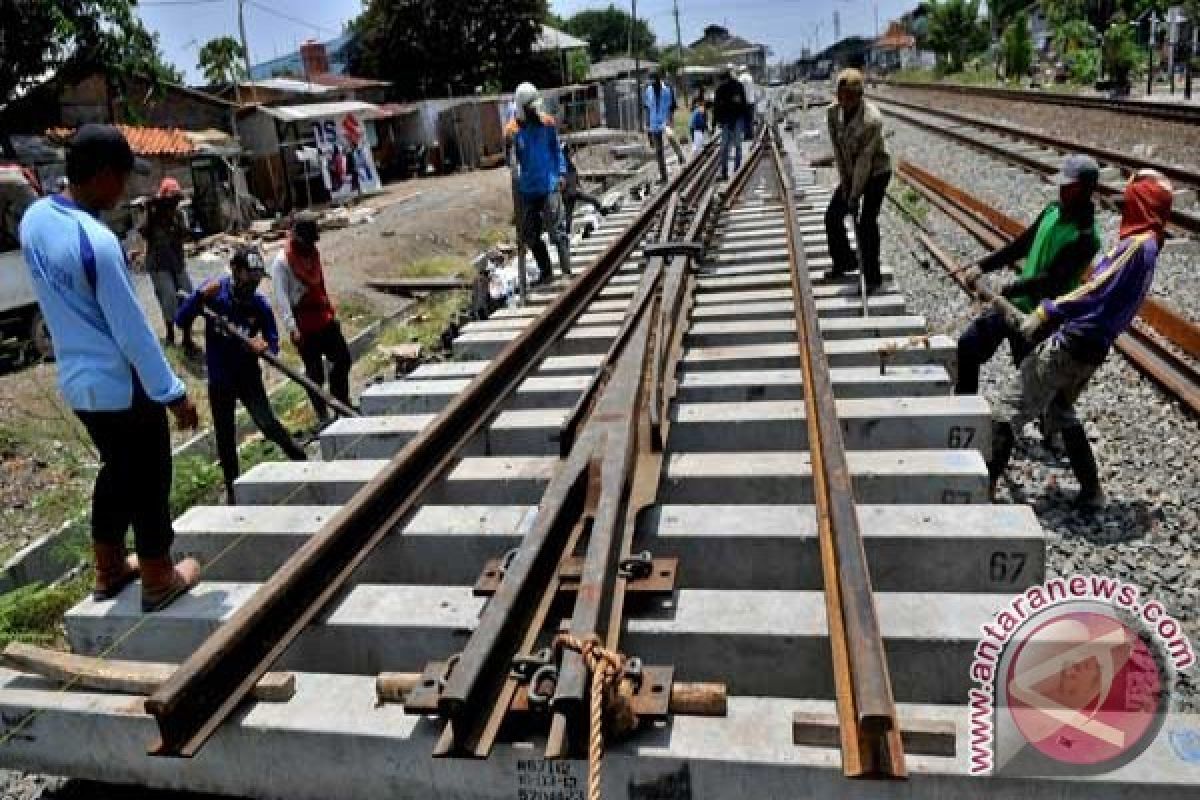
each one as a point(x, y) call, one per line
point(221, 61)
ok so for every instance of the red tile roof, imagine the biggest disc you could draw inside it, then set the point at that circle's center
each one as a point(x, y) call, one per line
point(144, 141)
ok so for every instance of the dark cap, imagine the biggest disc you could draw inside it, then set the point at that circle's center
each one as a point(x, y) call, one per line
point(1078, 168)
point(96, 147)
point(249, 258)
point(304, 227)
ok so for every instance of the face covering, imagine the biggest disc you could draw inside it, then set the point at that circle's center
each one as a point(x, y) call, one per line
point(1146, 209)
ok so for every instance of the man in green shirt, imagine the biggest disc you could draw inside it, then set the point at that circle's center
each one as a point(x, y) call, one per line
point(1057, 248)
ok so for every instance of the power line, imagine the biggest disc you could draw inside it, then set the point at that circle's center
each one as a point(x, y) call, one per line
point(289, 17)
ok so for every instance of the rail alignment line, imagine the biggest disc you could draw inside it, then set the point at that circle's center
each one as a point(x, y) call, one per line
point(993, 229)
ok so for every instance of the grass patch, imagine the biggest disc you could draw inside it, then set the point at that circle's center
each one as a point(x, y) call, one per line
point(495, 236)
point(33, 614)
point(437, 267)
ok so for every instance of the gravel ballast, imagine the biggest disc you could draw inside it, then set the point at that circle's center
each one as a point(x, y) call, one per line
point(1145, 443)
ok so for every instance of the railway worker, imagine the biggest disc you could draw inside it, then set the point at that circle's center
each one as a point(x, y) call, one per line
point(298, 280)
point(659, 99)
point(233, 372)
point(1058, 247)
point(111, 368)
point(752, 99)
point(729, 113)
point(864, 169)
point(540, 170)
point(573, 193)
point(165, 232)
point(1082, 326)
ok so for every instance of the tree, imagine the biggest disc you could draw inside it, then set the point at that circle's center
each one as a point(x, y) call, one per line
point(54, 34)
point(1119, 53)
point(607, 31)
point(438, 47)
point(578, 66)
point(956, 32)
point(1017, 47)
point(222, 60)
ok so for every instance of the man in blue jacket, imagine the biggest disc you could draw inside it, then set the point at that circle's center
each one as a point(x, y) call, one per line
point(233, 371)
point(111, 368)
point(536, 159)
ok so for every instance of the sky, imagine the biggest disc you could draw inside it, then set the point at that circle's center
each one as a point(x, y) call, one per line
point(276, 27)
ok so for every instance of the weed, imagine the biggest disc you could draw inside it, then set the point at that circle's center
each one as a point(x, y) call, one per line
point(195, 481)
point(494, 236)
point(33, 613)
point(438, 266)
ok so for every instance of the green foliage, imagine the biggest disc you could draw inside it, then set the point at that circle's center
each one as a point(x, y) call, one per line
point(670, 61)
point(54, 34)
point(222, 60)
point(1017, 47)
point(428, 49)
point(706, 55)
point(579, 63)
point(32, 614)
point(1119, 52)
point(1084, 65)
point(1004, 12)
point(196, 479)
point(1073, 35)
point(607, 31)
point(956, 31)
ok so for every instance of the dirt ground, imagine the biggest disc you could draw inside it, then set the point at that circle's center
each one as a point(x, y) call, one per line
point(46, 460)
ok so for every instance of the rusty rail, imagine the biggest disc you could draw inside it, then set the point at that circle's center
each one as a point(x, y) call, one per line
point(207, 687)
point(994, 229)
point(868, 726)
point(1181, 221)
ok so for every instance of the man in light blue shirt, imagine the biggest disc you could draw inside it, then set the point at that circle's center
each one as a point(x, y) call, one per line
point(111, 368)
point(659, 100)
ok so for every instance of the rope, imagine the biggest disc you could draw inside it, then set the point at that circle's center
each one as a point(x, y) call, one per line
point(605, 667)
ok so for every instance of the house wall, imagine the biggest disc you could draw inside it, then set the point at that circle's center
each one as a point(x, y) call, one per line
point(90, 100)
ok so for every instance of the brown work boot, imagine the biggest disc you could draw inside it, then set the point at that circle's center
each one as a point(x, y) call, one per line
point(163, 581)
point(115, 569)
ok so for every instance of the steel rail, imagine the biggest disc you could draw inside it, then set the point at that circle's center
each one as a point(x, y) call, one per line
point(1179, 112)
point(994, 229)
point(478, 689)
point(215, 679)
point(869, 731)
point(1181, 221)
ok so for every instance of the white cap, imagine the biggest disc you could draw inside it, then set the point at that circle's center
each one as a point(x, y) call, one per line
point(527, 95)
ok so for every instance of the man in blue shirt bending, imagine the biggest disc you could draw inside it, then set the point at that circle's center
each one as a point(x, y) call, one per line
point(233, 371)
point(111, 368)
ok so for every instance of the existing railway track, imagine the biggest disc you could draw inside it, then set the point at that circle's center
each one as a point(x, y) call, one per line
point(799, 472)
point(1180, 112)
point(1001, 140)
point(1173, 365)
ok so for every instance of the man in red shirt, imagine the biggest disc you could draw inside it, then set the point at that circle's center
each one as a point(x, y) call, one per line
point(308, 314)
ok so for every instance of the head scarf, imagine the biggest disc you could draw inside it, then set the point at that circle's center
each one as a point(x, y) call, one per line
point(1147, 205)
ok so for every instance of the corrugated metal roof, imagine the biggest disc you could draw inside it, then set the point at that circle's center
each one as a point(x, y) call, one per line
point(289, 85)
point(554, 39)
point(346, 81)
point(143, 141)
point(316, 110)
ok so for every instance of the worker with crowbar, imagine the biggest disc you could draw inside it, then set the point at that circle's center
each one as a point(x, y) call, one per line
point(239, 329)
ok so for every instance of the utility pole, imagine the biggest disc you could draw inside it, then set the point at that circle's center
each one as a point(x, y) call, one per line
point(241, 5)
point(678, 34)
point(637, 62)
point(1150, 63)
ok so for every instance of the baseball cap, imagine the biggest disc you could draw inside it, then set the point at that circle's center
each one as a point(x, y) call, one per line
point(94, 147)
point(1077, 168)
point(249, 258)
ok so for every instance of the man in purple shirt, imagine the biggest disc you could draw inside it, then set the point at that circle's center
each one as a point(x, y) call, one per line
point(1085, 323)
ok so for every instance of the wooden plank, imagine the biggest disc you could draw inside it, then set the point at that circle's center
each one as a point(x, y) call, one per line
point(125, 677)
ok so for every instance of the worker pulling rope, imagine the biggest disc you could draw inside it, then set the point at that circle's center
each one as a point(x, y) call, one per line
point(605, 667)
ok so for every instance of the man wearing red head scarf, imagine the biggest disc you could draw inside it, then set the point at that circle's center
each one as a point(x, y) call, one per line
point(1085, 323)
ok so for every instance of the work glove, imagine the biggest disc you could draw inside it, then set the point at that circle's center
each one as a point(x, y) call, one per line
point(1031, 324)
